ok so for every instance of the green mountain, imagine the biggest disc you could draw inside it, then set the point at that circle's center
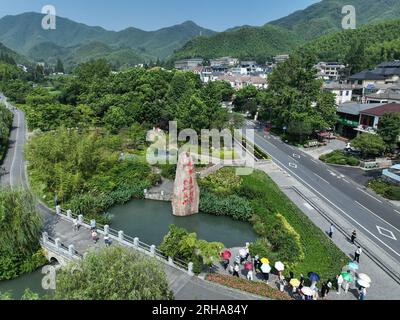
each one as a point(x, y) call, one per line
point(284, 35)
point(71, 40)
point(247, 42)
point(380, 41)
point(4, 51)
point(326, 16)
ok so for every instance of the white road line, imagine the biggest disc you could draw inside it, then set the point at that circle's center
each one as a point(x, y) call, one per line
point(346, 181)
point(293, 165)
point(397, 211)
point(313, 160)
point(334, 205)
point(363, 191)
point(15, 148)
point(322, 178)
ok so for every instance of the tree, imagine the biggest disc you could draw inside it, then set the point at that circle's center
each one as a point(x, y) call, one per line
point(389, 129)
point(115, 119)
point(113, 273)
point(20, 226)
point(59, 66)
point(369, 144)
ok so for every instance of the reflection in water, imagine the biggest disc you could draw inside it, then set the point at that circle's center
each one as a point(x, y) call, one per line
point(149, 221)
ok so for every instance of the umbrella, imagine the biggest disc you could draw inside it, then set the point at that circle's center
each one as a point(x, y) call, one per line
point(347, 276)
point(248, 266)
point(279, 266)
point(265, 268)
point(353, 266)
point(364, 277)
point(226, 255)
point(243, 253)
point(314, 277)
point(295, 283)
point(363, 283)
point(307, 291)
point(264, 260)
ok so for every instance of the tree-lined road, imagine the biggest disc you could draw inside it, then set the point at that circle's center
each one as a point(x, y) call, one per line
point(370, 214)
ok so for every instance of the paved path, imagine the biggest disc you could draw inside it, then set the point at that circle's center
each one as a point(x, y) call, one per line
point(184, 286)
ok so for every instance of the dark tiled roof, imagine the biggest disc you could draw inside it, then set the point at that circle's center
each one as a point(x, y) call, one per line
point(381, 110)
point(390, 64)
point(367, 75)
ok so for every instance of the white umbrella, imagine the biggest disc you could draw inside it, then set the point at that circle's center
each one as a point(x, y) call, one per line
point(265, 268)
point(243, 253)
point(307, 291)
point(279, 266)
point(364, 277)
point(363, 283)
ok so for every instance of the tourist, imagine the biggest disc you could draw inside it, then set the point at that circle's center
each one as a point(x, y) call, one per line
point(94, 236)
point(354, 237)
point(266, 277)
point(358, 254)
point(226, 264)
point(362, 293)
point(107, 241)
point(324, 289)
point(339, 282)
point(301, 281)
point(231, 270)
point(291, 276)
point(328, 287)
point(257, 263)
point(237, 260)
point(236, 270)
point(250, 275)
point(92, 224)
point(243, 257)
point(331, 231)
point(346, 287)
point(247, 251)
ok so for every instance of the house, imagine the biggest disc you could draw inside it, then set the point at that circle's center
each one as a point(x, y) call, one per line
point(369, 118)
point(386, 72)
point(343, 91)
point(330, 70)
point(224, 62)
point(390, 94)
point(349, 118)
point(281, 58)
point(392, 174)
point(239, 81)
point(188, 64)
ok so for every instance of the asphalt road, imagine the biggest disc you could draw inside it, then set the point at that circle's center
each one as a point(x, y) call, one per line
point(374, 216)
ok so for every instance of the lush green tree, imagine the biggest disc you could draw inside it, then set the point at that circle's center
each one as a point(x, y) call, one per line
point(113, 273)
point(389, 129)
point(20, 226)
point(6, 118)
point(369, 144)
point(246, 99)
point(59, 66)
point(115, 119)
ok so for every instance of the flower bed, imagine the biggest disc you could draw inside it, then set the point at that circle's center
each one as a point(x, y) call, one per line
point(258, 288)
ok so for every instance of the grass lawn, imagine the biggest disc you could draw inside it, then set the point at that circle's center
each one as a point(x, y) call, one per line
point(341, 158)
point(386, 189)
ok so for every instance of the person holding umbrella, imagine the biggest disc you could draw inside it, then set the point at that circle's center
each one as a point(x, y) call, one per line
point(314, 279)
point(301, 281)
point(265, 269)
point(226, 255)
point(257, 263)
point(236, 270)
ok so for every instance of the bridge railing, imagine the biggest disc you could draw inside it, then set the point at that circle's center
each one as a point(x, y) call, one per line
point(126, 240)
point(55, 245)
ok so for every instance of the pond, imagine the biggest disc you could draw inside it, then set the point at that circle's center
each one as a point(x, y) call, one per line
point(149, 221)
point(16, 287)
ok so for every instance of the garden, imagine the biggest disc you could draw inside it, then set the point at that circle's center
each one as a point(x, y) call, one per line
point(340, 157)
point(386, 189)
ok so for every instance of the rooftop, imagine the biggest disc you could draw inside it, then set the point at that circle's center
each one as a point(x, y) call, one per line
point(356, 108)
point(379, 111)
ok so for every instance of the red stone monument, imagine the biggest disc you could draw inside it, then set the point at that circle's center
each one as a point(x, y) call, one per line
point(185, 201)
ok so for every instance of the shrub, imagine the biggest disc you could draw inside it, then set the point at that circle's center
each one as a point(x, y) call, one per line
point(340, 158)
point(388, 190)
point(168, 171)
point(223, 182)
point(232, 206)
point(254, 287)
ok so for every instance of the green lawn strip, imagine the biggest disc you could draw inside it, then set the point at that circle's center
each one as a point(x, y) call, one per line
point(321, 255)
point(386, 189)
point(341, 158)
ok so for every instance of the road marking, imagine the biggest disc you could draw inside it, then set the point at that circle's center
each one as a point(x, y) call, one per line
point(363, 191)
point(332, 173)
point(346, 181)
point(293, 165)
point(387, 233)
point(296, 156)
point(377, 216)
point(308, 206)
point(313, 160)
point(322, 178)
point(334, 205)
point(15, 148)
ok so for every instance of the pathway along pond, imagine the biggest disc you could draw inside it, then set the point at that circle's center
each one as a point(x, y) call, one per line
point(149, 221)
